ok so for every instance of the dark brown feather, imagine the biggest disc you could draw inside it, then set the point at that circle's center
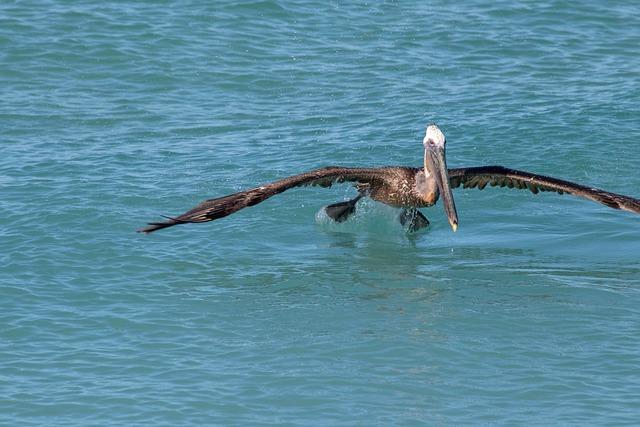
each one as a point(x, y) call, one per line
point(480, 177)
point(387, 180)
point(212, 209)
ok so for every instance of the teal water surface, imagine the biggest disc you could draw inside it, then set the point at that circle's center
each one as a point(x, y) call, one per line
point(113, 113)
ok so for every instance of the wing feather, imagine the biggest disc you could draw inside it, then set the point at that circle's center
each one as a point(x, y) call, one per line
point(212, 209)
point(480, 177)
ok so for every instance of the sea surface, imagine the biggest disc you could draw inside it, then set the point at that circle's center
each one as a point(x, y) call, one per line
point(113, 113)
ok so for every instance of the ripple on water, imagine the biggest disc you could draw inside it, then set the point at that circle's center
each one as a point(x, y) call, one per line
point(113, 115)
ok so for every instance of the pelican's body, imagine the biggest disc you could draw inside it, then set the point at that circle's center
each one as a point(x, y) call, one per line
point(404, 187)
point(407, 188)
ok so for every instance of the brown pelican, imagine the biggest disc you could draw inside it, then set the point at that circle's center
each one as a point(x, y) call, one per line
point(407, 188)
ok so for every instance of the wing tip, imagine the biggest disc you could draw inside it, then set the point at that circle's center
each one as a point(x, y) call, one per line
point(154, 226)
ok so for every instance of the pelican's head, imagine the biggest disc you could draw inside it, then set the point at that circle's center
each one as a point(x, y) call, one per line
point(434, 136)
point(435, 163)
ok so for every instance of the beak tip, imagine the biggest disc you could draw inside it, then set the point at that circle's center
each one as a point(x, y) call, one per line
point(454, 226)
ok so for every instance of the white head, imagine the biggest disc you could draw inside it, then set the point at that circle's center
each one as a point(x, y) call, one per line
point(434, 136)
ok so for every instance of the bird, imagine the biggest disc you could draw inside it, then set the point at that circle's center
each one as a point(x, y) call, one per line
point(407, 188)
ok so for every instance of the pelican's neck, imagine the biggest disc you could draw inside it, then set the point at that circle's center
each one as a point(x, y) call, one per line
point(426, 185)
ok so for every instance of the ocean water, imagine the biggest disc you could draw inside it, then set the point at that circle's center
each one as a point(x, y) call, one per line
point(113, 113)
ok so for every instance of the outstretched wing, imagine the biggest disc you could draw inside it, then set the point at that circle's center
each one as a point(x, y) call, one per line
point(480, 177)
point(223, 206)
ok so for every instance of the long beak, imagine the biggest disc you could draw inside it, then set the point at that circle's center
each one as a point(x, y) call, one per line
point(436, 163)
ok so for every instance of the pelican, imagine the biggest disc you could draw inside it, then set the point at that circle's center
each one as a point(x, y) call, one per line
point(407, 188)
